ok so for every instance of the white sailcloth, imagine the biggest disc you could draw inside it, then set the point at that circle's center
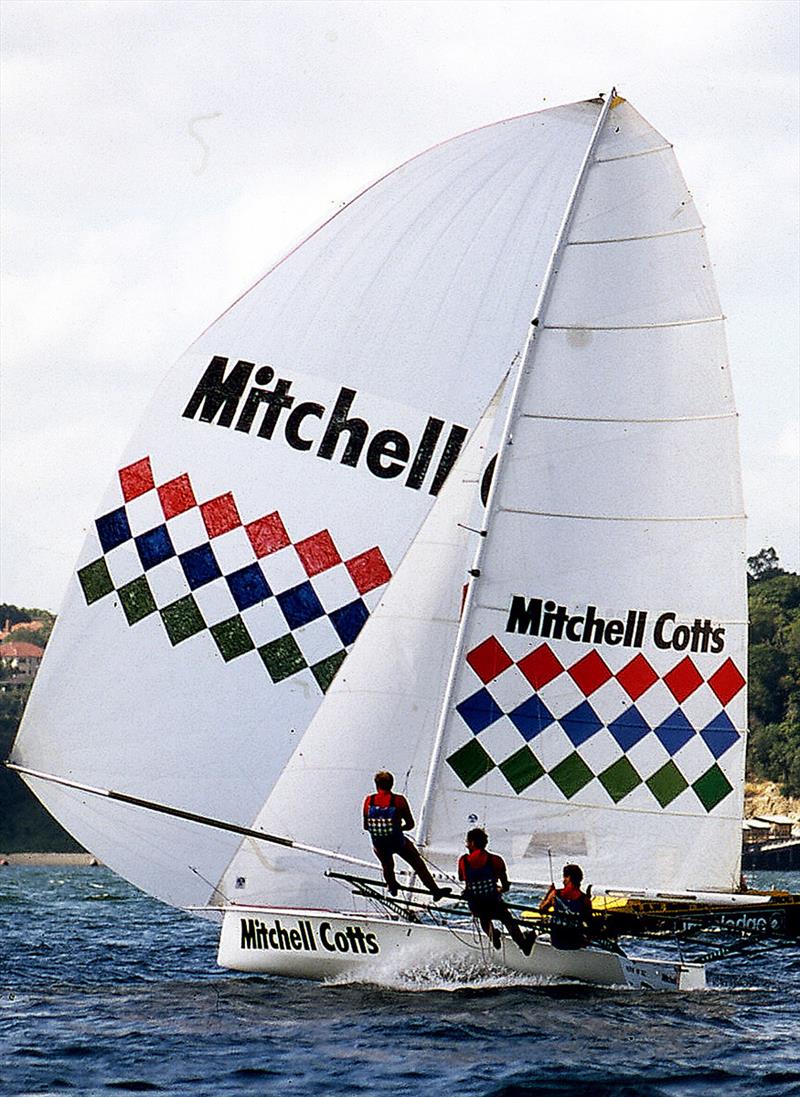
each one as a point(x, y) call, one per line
point(273, 487)
point(599, 712)
point(380, 710)
point(598, 707)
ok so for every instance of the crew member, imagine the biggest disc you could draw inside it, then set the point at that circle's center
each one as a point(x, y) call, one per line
point(386, 816)
point(485, 877)
point(572, 911)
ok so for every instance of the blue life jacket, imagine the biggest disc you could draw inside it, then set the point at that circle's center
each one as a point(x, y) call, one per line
point(567, 928)
point(383, 823)
point(480, 883)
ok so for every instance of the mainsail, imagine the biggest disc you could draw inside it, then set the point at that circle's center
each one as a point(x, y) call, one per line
point(597, 710)
point(273, 488)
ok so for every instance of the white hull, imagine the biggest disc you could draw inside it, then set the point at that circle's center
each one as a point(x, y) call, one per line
point(322, 944)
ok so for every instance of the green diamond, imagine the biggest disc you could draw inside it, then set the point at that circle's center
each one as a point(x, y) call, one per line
point(137, 600)
point(571, 774)
point(325, 670)
point(521, 770)
point(471, 762)
point(232, 638)
point(182, 619)
point(712, 787)
point(667, 783)
point(95, 580)
point(619, 779)
point(282, 657)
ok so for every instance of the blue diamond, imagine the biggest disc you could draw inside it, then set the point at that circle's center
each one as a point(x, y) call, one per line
point(349, 620)
point(154, 547)
point(629, 728)
point(300, 605)
point(720, 735)
point(530, 718)
point(675, 732)
point(113, 529)
point(581, 724)
point(479, 711)
point(199, 566)
point(248, 586)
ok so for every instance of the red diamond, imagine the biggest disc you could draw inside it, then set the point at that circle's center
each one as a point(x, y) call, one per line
point(636, 677)
point(220, 515)
point(176, 496)
point(369, 570)
point(590, 672)
point(489, 659)
point(318, 553)
point(136, 479)
point(683, 679)
point(726, 682)
point(267, 534)
point(540, 667)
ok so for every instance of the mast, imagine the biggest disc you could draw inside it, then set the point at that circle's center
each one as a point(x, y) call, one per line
point(523, 370)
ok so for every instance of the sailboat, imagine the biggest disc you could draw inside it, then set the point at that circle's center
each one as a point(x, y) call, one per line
point(452, 491)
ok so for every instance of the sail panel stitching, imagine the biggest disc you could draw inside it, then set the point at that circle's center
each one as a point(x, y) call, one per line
point(632, 155)
point(602, 419)
point(644, 236)
point(627, 517)
point(633, 327)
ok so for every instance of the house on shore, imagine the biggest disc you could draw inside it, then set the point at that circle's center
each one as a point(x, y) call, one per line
point(19, 662)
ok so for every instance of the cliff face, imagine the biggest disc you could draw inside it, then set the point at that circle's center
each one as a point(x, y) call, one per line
point(764, 798)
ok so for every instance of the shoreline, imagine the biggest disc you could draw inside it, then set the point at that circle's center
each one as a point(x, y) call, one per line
point(47, 859)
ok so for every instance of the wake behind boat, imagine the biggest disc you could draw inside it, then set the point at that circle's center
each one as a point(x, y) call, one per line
point(454, 490)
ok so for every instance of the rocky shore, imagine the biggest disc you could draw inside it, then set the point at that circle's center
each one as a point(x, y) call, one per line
point(47, 859)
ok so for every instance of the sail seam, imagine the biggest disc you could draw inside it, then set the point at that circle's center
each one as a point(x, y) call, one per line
point(628, 517)
point(632, 155)
point(633, 327)
point(644, 236)
point(601, 419)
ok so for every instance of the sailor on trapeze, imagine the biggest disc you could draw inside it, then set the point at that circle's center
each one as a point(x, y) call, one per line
point(386, 816)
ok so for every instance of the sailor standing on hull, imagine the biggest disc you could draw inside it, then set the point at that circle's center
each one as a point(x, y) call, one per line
point(572, 911)
point(386, 816)
point(485, 877)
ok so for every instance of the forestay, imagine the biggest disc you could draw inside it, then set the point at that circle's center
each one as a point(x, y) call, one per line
point(272, 490)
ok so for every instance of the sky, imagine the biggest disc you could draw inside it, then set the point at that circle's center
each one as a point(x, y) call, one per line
point(158, 157)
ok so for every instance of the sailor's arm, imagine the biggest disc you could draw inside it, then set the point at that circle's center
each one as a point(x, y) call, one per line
point(404, 812)
point(549, 899)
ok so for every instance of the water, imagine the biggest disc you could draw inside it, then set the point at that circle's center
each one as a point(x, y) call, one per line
point(103, 990)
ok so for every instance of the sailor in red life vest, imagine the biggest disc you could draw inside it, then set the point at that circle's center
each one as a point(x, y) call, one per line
point(485, 877)
point(572, 911)
point(386, 816)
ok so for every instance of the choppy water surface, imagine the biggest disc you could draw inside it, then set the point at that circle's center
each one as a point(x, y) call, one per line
point(103, 990)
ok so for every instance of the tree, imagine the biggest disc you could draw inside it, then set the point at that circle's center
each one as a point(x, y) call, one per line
point(764, 565)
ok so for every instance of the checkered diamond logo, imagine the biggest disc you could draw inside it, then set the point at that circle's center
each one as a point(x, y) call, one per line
point(598, 729)
point(178, 542)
